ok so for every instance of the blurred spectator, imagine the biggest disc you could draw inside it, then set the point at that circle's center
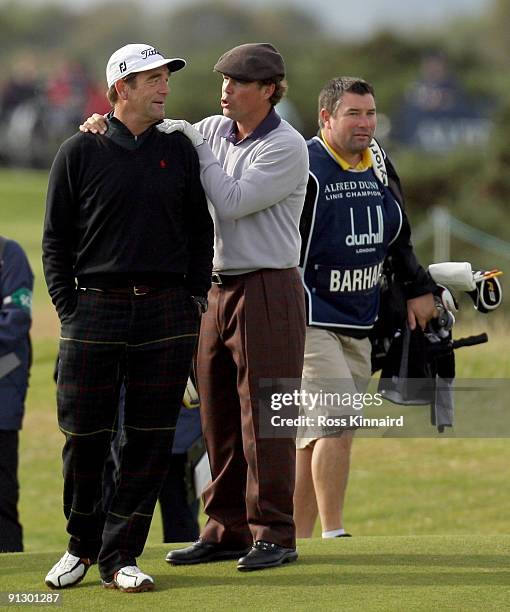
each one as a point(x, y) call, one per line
point(36, 115)
point(16, 284)
point(18, 110)
point(178, 500)
point(96, 101)
point(21, 85)
point(437, 115)
point(68, 94)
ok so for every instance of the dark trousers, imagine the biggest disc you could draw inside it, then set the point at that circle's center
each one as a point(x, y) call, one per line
point(179, 517)
point(148, 341)
point(254, 329)
point(11, 535)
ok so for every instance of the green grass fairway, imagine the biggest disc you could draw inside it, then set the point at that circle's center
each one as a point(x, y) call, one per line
point(367, 573)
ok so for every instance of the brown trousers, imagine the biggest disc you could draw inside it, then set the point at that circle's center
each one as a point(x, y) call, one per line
point(254, 329)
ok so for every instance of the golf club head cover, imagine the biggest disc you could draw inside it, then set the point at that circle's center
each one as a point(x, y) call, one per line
point(454, 275)
point(190, 399)
point(448, 299)
point(487, 294)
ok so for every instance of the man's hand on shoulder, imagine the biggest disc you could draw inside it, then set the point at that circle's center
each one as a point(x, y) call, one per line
point(421, 310)
point(167, 126)
point(97, 124)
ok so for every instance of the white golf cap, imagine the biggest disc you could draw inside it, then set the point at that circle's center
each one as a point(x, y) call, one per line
point(137, 58)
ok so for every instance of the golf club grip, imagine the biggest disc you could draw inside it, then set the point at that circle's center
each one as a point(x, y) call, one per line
point(470, 341)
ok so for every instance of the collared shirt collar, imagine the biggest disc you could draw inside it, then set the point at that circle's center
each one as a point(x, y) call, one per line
point(271, 121)
point(363, 164)
point(122, 136)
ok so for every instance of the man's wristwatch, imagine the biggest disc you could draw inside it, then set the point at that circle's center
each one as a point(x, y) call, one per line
point(201, 303)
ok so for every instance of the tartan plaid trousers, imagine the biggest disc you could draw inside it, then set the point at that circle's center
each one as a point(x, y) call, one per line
point(148, 341)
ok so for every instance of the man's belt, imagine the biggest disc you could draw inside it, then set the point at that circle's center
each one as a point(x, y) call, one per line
point(225, 279)
point(132, 290)
point(142, 285)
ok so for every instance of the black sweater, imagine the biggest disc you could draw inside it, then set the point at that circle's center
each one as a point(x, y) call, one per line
point(124, 210)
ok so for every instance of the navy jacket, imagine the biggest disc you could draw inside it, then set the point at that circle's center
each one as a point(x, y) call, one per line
point(16, 286)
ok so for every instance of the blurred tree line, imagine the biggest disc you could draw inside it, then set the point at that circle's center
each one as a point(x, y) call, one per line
point(474, 183)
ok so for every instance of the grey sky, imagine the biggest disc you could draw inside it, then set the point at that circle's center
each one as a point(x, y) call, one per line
point(347, 18)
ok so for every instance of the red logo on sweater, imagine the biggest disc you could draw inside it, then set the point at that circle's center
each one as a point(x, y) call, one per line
point(162, 163)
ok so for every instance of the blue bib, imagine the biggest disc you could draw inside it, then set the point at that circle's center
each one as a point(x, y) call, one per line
point(355, 219)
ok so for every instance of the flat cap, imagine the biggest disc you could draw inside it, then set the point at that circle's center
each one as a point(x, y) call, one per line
point(251, 62)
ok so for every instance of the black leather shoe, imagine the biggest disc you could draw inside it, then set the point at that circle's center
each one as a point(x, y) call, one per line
point(203, 552)
point(266, 554)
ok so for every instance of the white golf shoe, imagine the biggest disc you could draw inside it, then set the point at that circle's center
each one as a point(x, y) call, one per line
point(67, 572)
point(130, 579)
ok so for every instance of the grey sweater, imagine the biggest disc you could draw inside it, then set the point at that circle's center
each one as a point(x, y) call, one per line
point(256, 189)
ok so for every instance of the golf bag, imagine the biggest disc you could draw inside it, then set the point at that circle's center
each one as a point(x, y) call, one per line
point(418, 367)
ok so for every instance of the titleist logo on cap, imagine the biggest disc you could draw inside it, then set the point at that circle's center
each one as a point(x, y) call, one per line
point(148, 52)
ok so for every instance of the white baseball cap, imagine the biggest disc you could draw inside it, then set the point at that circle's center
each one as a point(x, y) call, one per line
point(137, 58)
